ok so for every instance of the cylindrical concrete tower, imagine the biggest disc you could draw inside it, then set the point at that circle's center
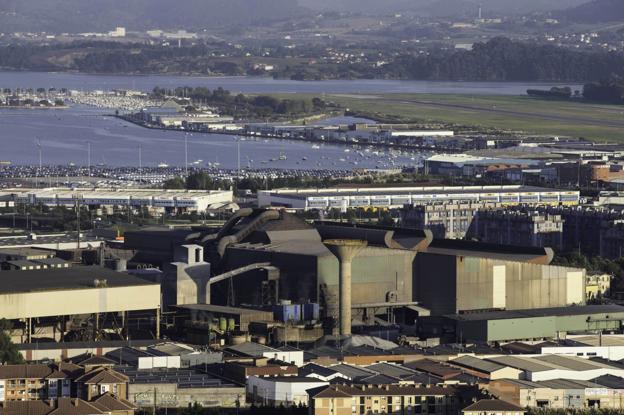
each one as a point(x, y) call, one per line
point(345, 250)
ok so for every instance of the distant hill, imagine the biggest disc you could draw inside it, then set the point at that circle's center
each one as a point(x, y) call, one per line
point(596, 11)
point(439, 7)
point(59, 16)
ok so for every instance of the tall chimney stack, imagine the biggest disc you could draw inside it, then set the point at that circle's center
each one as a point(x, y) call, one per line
point(345, 250)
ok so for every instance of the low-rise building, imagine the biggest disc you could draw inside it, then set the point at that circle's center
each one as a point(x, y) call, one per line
point(287, 391)
point(597, 285)
point(493, 407)
point(600, 392)
point(389, 399)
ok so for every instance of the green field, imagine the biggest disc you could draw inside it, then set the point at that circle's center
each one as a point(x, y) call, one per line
point(598, 123)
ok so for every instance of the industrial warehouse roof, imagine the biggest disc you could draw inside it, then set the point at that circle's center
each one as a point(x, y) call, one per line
point(25, 241)
point(183, 378)
point(390, 369)
point(64, 279)
point(109, 192)
point(551, 362)
point(352, 372)
point(250, 349)
point(540, 312)
point(477, 364)
point(373, 191)
point(26, 252)
point(461, 159)
point(456, 247)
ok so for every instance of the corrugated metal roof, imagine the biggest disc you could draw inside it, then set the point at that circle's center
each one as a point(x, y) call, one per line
point(475, 363)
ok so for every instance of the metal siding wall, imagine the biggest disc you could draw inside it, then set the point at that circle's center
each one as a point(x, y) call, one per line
point(435, 282)
point(512, 329)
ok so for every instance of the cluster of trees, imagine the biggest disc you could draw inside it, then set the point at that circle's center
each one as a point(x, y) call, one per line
point(595, 264)
point(502, 59)
point(243, 106)
point(499, 59)
point(553, 93)
point(203, 181)
point(9, 354)
point(608, 91)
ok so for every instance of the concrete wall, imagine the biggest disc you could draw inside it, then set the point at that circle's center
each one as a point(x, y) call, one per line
point(171, 396)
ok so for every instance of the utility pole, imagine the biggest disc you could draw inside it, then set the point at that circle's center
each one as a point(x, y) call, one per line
point(186, 154)
point(38, 143)
point(77, 222)
point(140, 163)
point(89, 157)
point(238, 156)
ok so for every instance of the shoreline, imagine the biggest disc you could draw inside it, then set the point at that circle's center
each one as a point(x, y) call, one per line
point(277, 137)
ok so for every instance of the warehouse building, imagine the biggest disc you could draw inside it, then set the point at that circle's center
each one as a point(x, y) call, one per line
point(397, 197)
point(473, 276)
point(561, 393)
point(261, 257)
point(473, 166)
point(55, 302)
point(159, 200)
point(545, 323)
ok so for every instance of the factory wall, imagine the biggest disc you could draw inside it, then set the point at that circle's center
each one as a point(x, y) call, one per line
point(379, 275)
point(298, 276)
point(79, 301)
point(447, 284)
point(535, 327)
point(435, 282)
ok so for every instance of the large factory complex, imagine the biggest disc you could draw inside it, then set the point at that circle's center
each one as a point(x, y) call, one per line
point(272, 308)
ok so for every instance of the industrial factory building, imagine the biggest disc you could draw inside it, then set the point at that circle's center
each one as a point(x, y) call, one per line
point(52, 303)
point(494, 326)
point(355, 273)
point(166, 200)
point(397, 197)
point(471, 276)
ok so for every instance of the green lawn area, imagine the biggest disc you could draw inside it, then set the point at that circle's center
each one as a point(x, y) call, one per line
point(515, 113)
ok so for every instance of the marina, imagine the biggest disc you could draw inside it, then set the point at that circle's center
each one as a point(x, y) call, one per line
point(66, 136)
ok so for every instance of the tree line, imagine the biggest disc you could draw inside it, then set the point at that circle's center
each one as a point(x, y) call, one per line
point(499, 59)
point(243, 106)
